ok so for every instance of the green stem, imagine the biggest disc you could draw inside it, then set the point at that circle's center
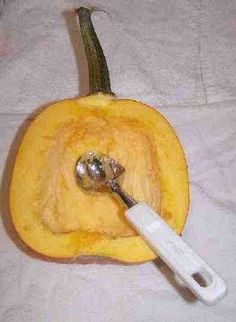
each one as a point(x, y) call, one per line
point(99, 80)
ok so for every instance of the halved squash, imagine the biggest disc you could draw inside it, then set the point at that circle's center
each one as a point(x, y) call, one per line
point(49, 210)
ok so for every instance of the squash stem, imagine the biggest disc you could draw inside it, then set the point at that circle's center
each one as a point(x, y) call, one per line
point(99, 80)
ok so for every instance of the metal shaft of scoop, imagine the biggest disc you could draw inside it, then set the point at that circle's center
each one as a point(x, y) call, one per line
point(128, 200)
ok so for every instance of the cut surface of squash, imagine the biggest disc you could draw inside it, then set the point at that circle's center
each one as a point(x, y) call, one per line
point(56, 218)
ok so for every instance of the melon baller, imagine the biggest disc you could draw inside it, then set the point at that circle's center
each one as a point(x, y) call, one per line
point(97, 172)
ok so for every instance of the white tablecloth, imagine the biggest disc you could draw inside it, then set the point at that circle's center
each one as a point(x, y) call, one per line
point(176, 55)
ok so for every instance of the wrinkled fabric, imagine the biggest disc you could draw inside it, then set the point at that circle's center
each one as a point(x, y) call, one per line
point(176, 55)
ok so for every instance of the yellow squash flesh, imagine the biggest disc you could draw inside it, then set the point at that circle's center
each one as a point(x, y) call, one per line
point(56, 218)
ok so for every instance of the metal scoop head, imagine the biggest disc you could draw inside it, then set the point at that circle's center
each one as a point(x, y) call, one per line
point(94, 170)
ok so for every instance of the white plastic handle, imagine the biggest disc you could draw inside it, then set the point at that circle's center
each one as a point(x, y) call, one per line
point(197, 275)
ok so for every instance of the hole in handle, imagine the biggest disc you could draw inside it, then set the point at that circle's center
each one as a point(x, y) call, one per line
point(202, 278)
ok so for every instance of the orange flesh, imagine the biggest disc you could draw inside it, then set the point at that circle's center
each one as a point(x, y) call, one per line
point(56, 218)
